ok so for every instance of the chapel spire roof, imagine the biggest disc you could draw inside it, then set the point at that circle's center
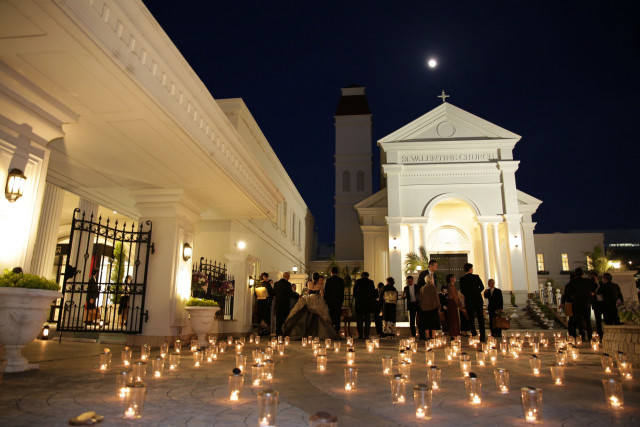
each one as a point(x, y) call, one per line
point(353, 101)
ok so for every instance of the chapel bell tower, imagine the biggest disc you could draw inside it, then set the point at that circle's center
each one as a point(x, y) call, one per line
point(353, 165)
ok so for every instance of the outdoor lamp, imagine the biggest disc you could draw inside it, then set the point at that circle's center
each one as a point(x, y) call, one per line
point(45, 333)
point(251, 281)
point(294, 269)
point(187, 251)
point(14, 188)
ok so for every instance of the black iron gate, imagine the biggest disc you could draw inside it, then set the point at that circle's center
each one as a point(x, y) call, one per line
point(218, 285)
point(105, 276)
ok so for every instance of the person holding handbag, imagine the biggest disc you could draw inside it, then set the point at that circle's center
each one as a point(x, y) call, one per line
point(495, 306)
point(429, 301)
point(453, 305)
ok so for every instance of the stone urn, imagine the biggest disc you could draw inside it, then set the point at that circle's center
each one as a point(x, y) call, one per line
point(201, 319)
point(23, 311)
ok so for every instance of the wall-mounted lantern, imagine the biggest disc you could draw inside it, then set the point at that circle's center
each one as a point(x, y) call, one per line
point(14, 189)
point(187, 252)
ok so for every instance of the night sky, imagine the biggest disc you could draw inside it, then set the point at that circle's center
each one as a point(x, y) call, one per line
point(565, 75)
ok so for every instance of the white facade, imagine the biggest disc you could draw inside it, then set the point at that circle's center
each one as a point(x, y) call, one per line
point(95, 100)
point(451, 189)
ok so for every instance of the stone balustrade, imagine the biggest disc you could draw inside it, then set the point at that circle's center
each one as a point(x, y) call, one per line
point(625, 338)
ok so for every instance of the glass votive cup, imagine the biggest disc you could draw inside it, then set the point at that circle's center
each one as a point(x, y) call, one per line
point(448, 353)
point(387, 365)
point(595, 345)
point(164, 349)
point(492, 354)
point(174, 361)
point(256, 340)
point(145, 351)
point(349, 341)
point(321, 363)
point(257, 370)
point(267, 407)
point(336, 346)
point(612, 388)
point(236, 385)
point(268, 352)
point(404, 368)
point(323, 419)
point(105, 361)
point(402, 354)
point(535, 347)
point(222, 346)
point(239, 348)
point(304, 341)
point(268, 374)
point(430, 357)
point(195, 345)
point(481, 358)
point(138, 371)
point(280, 349)
point(351, 357)
point(350, 378)
point(210, 354)
point(557, 374)
point(561, 358)
point(422, 397)
point(473, 389)
point(626, 370)
point(240, 362)
point(398, 390)
point(465, 364)
point(197, 358)
point(122, 379)
point(607, 363)
point(531, 403)
point(370, 346)
point(502, 380)
point(327, 343)
point(213, 340)
point(157, 367)
point(535, 364)
point(134, 402)
point(574, 351)
point(125, 356)
point(434, 375)
point(230, 340)
point(177, 346)
point(322, 351)
point(287, 340)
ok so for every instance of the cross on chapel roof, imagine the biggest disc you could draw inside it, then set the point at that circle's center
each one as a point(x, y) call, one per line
point(444, 97)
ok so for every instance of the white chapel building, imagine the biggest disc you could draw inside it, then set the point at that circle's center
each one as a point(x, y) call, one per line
point(449, 186)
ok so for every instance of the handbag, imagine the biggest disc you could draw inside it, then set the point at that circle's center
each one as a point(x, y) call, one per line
point(501, 323)
point(568, 309)
point(443, 317)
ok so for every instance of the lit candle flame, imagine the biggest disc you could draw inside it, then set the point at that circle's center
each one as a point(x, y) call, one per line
point(234, 395)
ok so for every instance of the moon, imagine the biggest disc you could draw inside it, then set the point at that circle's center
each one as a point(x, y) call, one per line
point(432, 63)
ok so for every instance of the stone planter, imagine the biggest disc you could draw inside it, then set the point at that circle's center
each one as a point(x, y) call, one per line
point(22, 314)
point(625, 338)
point(201, 319)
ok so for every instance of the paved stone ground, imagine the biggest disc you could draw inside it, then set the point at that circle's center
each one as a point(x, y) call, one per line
point(69, 383)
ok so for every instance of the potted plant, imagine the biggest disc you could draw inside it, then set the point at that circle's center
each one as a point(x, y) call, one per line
point(202, 313)
point(25, 300)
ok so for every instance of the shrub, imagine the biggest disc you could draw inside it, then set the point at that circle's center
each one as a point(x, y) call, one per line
point(26, 280)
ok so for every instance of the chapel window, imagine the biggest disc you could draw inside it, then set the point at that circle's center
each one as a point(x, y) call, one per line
point(541, 262)
point(565, 262)
point(346, 181)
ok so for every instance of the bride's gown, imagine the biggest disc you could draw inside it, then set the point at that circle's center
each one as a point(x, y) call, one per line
point(309, 317)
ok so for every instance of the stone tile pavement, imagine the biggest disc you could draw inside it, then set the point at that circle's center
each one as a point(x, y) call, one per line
point(69, 383)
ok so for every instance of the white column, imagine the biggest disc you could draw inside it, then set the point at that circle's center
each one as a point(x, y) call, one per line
point(395, 250)
point(47, 237)
point(516, 257)
point(485, 250)
point(530, 254)
point(496, 254)
point(425, 237)
point(239, 266)
point(415, 237)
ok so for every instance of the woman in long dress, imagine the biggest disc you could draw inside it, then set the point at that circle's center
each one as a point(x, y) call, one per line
point(390, 298)
point(453, 305)
point(310, 316)
point(430, 307)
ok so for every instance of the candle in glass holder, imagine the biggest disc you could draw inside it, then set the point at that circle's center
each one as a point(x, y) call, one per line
point(174, 361)
point(433, 377)
point(134, 401)
point(145, 352)
point(404, 368)
point(578, 341)
point(626, 371)
point(535, 365)
point(177, 346)
point(212, 339)
point(473, 388)
point(157, 367)
point(257, 355)
point(370, 346)
point(535, 347)
point(595, 345)
point(236, 385)
point(304, 342)
point(230, 341)
point(323, 419)
point(531, 403)
point(430, 357)
point(268, 373)
point(322, 351)
point(504, 348)
point(502, 380)
point(257, 370)
point(398, 389)
point(448, 354)
point(239, 348)
point(164, 349)
point(240, 361)
point(492, 354)
point(349, 341)
point(336, 346)
point(557, 373)
point(613, 392)
point(105, 361)
point(401, 355)
point(387, 365)
point(376, 342)
point(197, 358)
point(351, 357)
point(280, 349)
point(287, 340)
point(125, 356)
point(122, 379)
point(321, 363)
point(465, 364)
point(481, 358)
point(607, 363)
point(561, 358)
point(327, 343)
point(350, 378)
point(267, 407)
point(138, 371)
point(268, 352)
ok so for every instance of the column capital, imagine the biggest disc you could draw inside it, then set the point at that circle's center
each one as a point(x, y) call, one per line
point(513, 217)
point(239, 257)
point(529, 226)
point(169, 202)
point(508, 165)
point(488, 219)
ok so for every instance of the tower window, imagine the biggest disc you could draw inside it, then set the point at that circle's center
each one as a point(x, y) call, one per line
point(346, 181)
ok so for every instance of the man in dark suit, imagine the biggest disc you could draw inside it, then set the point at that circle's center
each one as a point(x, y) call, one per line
point(471, 287)
point(611, 297)
point(495, 307)
point(410, 293)
point(364, 293)
point(284, 293)
point(578, 291)
point(334, 296)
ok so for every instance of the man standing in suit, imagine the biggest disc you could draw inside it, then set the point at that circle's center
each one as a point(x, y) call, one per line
point(495, 307)
point(471, 287)
point(411, 293)
point(433, 267)
point(578, 291)
point(334, 296)
point(364, 293)
point(284, 293)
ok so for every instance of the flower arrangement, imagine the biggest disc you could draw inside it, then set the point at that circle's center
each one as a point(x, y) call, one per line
point(629, 313)
point(223, 288)
point(199, 283)
point(201, 302)
point(26, 280)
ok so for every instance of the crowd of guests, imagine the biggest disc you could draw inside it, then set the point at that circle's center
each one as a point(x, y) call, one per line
point(582, 294)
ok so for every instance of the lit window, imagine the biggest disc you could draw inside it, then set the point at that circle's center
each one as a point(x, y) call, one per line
point(540, 262)
point(565, 262)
